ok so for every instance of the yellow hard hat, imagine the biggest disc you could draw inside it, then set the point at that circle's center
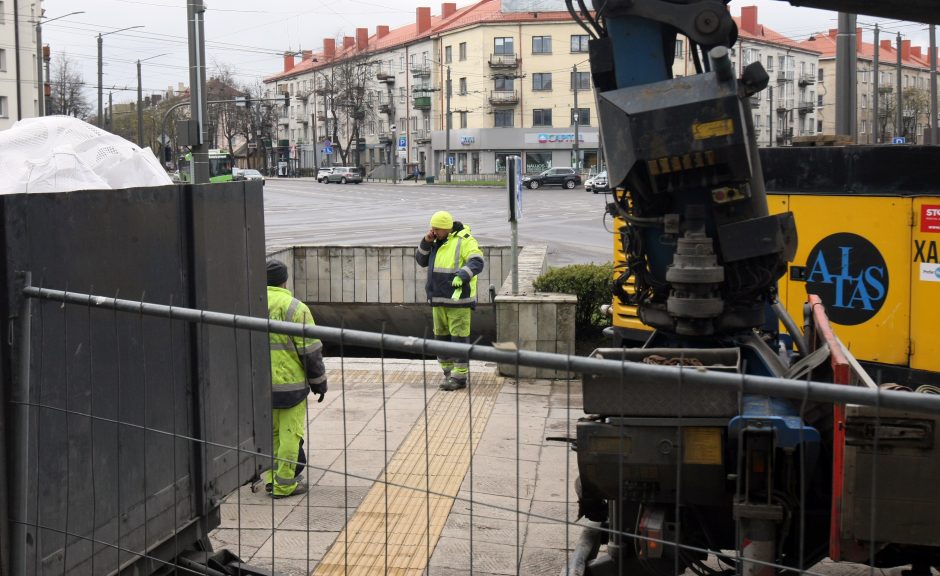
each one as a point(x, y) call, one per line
point(442, 220)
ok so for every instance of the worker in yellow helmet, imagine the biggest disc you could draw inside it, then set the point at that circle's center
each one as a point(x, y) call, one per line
point(454, 260)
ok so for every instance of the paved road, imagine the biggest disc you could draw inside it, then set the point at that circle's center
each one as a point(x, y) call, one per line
point(301, 211)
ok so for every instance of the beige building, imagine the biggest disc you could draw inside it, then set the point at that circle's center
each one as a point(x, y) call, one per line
point(19, 88)
point(915, 78)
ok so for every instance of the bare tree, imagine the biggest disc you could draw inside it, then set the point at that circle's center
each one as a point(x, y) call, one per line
point(887, 104)
point(67, 84)
point(257, 129)
point(916, 105)
point(226, 119)
point(346, 85)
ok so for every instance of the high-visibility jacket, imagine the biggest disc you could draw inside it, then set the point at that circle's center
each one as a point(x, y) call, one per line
point(296, 361)
point(457, 255)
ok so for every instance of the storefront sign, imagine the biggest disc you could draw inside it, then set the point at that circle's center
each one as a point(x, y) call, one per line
point(930, 218)
point(467, 140)
point(560, 138)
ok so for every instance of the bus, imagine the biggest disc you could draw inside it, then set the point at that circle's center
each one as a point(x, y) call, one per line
point(221, 163)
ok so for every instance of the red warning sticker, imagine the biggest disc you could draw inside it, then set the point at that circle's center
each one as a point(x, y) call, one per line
point(930, 218)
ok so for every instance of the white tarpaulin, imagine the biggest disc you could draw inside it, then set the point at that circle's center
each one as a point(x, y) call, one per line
point(61, 153)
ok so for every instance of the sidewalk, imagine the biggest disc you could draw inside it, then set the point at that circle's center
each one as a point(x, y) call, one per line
point(352, 521)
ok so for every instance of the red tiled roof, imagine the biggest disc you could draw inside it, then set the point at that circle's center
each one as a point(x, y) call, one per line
point(825, 43)
point(765, 34)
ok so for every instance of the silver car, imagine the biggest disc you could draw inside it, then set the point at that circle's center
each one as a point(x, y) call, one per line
point(344, 175)
point(322, 173)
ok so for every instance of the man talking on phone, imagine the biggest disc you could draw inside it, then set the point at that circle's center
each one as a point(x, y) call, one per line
point(454, 260)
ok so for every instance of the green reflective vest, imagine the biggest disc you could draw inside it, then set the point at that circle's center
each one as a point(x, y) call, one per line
point(288, 376)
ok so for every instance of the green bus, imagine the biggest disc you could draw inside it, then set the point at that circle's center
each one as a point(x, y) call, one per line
point(221, 163)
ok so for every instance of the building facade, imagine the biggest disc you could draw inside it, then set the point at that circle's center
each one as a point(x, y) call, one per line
point(915, 87)
point(19, 88)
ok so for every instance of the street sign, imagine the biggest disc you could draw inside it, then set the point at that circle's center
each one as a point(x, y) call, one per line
point(327, 149)
point(899, 140)
point(327, 143)
point(514, 182)
point(450, 161)
point(402, 141)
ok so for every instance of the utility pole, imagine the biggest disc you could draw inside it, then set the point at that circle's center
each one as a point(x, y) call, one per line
point(576, 117)
point(39, 58)
point(934, 137)
point(876, 129)
point(140, 103)
point(846, 77)
point(770, 127)
point(109, 122)
point(195, 12)
point(899, 112)
point(447, 122)
point(100, 79)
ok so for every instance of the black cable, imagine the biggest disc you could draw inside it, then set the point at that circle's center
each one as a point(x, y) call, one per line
point(590, 18)
point(693, 50)
point(574, 15)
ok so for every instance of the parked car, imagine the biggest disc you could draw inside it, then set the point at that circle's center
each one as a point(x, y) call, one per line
point(344, 175)
point(322, 173)
point(566, 177)
point(597, 183)
point(250, 174)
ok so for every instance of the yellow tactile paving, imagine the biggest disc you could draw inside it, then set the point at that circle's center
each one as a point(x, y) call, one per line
point(362, 548)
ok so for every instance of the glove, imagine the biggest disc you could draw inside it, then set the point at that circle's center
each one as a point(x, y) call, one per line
point(458, 288)
point(319, 389)
point(458, 281)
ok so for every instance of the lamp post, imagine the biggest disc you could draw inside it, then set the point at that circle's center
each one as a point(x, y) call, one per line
point(100, 93)
point(42, 87)
point(140, 106)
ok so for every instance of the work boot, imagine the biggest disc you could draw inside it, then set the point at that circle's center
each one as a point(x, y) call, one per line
point(300, 489)
point(453, 384)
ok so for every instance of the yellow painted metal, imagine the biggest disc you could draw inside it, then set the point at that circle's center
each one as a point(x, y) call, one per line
point(624, 316)
point(701, 446)
point(883, 221)
point(925, 284)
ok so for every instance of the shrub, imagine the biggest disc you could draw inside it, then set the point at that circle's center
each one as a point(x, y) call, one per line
point(590, 283)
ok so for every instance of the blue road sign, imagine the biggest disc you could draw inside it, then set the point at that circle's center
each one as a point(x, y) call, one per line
point(899, 140)
point(327, 149)
point(450, 160)
point(402, 141)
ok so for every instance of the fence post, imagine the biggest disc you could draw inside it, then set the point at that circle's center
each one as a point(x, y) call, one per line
point(20, 433)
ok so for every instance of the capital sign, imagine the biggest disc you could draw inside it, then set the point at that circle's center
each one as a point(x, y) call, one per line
point(850, 275)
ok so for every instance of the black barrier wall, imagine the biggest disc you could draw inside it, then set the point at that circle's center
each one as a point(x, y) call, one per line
point(125, 415)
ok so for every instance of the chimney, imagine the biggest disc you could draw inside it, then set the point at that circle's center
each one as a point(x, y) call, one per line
point(916, 52)
point(749, 19)
point(833, 32)
point(858, 39)
point(905, 49)
point(329, 48)
point(381, 31)
point(348, 42)
point(306, 55)
point(362, 38)
point(448, 9)
point(885, 45)
point(288, 61)
point(423, 20)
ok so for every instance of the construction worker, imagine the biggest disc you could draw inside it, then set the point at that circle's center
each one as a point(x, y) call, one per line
point(454, 260)
point(296, 370)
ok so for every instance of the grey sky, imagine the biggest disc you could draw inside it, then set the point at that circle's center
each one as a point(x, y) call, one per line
point(248, 36)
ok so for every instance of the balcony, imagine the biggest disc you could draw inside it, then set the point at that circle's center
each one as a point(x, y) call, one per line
point(421, 70)
point(806, 107)
point(321, 117)
point(386, 77)
point(385, 137)
point(421, 136)
point(503, 61)
point(755, 102)
point(807, 79)
point(504, 97)
point(784, 106)
point(784, 75)
point(301, 116)
point(422, 103)
point(283, 120)
point(385, 108)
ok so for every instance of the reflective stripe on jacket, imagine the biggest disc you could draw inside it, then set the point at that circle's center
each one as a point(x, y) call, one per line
point(457, 255)
point(296, 361)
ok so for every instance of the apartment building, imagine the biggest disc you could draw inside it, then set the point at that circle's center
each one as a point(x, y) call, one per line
point(915, 87)
point(19, 96)
point(790, 105)
point(516, 75)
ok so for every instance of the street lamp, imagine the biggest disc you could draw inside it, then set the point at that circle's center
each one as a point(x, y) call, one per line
point(140, 107)
point(42, 91)
point(100, 95)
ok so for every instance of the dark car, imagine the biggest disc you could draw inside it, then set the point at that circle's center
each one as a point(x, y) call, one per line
point(566, 177)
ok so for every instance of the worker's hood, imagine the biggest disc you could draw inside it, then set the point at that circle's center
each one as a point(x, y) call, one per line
point(61, 153)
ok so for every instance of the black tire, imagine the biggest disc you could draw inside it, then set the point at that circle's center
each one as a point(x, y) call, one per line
point(534, 184)
point(594, 190)
point(357, 183)
point(342, 180)
point(570, 184)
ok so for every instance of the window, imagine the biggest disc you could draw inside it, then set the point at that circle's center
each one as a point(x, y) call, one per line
point(401, 62)
point(4, 111)
point(463, 86)
point(463, 50)
point(770, 63)
point(820, 77)
point(680, 46)
point(864, 101)
point(372, 127)
point(3, 60)
point(864, 127)
point(542, 117)
point(579, 42)
point(503, 45)
point(502, 118)
point(3, 16)
point(541, 44)
point(424, 58)
point(414, 123)
point(411, 60)
point(401, 94)
point(819, 126)
point(448, 54)
point(463, 119)
point(581, 115)
point(581, 82)
point(542, 81)
point(503, 84)
point(819, 99)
